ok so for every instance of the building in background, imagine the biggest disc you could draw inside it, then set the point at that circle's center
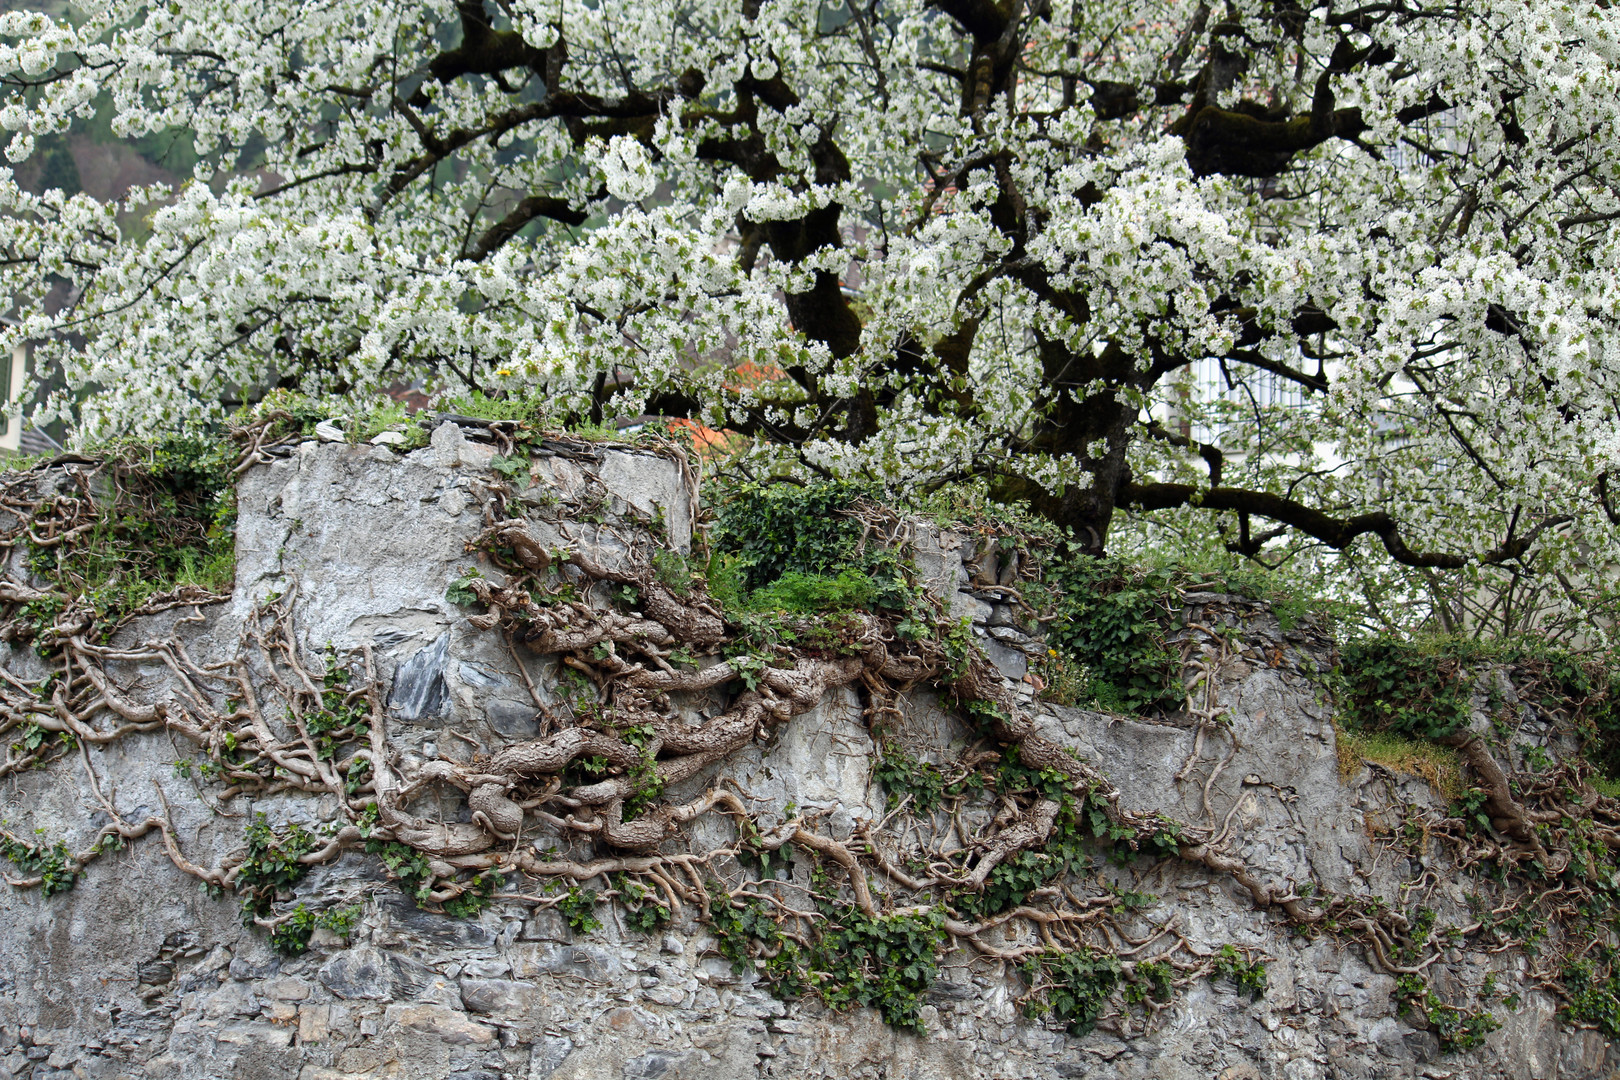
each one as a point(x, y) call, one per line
point(17, 436)
point(13, 368)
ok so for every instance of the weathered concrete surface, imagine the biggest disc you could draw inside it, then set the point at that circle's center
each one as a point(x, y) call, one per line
point(134, 973)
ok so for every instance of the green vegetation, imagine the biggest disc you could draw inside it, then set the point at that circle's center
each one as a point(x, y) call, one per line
point(1072, 987)
point(475, 897)
point(1592, 998)
point(1424, 689)
point(1111, 620)
point(52, 863)
point(798, 549)
point(776, 529)
point(343, 716)
point(643, 912)
point(405, 865)
point(902, 775)
point(885, 963)
point(1420, 688)
point(1457, 1029)
point(1248, 975)
point(166, 520)
point(578, 909)
point(271, 865)
point(1439, 765)
point(290, 936)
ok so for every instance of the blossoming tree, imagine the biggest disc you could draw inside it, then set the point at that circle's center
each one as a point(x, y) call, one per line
point(976, 238)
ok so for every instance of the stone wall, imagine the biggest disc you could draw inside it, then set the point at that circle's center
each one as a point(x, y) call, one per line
point(137, 973)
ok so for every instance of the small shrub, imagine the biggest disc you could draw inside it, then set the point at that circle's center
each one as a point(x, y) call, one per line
point(1075, 986)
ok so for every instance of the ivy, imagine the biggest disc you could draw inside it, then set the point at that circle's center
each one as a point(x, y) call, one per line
point(341, 717)
point(475, 897)
point(1072, 987)
point(796, 549)
point(642, 912)
point(291, 935)
point(1110, 619)
point(1591, 998)
point(459, 591)
point(52, 863)
point(407, 866)
point(270, 865)
point(1418, 688)
point(577, 907)
point(776, 529)
point(885, 963)
point(902, 775)
point(1012, 881)
point(1457, 1029)
point(737, 924)
point(1249, 976)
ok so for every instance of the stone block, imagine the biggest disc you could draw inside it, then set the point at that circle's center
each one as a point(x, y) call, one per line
point(448, 1025)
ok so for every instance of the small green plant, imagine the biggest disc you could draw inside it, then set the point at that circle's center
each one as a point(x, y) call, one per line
point(1591, 998)
point(513, 468)
point(672, 571)
point(341, 716)
point(52, 863)
point(291, 935)
point(887, 963)
point(167, 518)
point(270, 865)
point(459, 593)
point(577, 907)
point(475, 897)
point(1457, 1029)
point(736, 924)
point(642, 912)
point(1072, 987)
point(406, 865)
point(1062, 680)
point(902, 775)
point(1249, 976)
point(1150, 981)
point(649, 787)
point(387, 415)
point(1110, 620)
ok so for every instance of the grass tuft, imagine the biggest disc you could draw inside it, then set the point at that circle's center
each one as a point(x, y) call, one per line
point(1439, 766)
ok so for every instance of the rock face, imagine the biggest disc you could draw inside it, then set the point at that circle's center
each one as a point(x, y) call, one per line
point(135, 973)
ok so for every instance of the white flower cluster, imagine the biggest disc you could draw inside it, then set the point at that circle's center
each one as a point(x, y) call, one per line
point(371, 207)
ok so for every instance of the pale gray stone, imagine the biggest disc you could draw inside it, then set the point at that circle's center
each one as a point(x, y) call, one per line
point(134, 973)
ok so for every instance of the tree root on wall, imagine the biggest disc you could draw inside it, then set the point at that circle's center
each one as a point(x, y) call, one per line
point(275, 719)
